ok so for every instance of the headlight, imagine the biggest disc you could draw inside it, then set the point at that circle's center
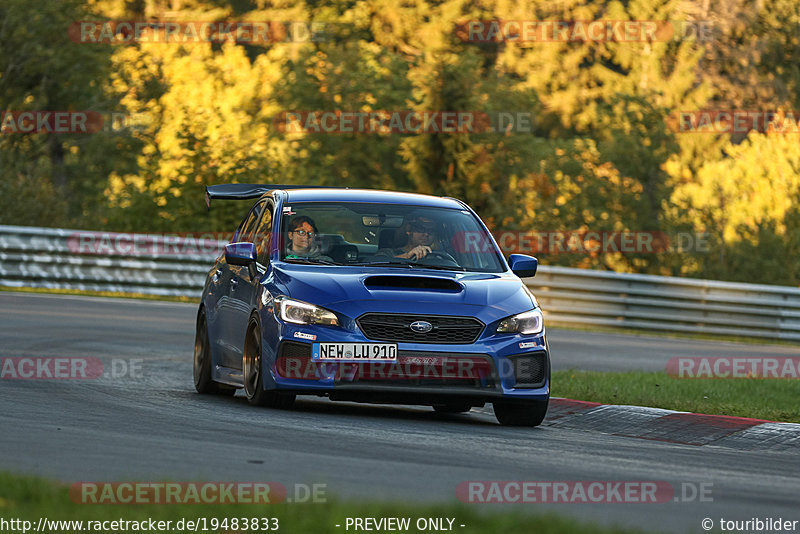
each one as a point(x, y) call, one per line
point(299, 312)
point(529, 322)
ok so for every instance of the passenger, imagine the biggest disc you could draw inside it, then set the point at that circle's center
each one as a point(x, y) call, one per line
point(302, 241)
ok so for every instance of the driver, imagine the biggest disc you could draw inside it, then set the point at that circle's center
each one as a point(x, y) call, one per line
point(421, 235)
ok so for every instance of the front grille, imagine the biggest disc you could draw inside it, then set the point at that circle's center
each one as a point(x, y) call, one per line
point(397, 327)
point(530, 370)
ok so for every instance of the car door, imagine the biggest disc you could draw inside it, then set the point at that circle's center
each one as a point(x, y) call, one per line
point(244, 284)
point(229, 309)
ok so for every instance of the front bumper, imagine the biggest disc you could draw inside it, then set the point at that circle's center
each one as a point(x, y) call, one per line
point(494, 367)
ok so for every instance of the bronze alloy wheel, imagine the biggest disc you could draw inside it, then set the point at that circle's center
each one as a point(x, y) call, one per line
point(202, 362)
point(252, 365)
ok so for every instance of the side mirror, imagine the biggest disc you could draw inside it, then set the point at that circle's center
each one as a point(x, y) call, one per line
point(240, 254)
point(523, 265)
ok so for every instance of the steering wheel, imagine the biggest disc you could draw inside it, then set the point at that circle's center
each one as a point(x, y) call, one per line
point(442, 257)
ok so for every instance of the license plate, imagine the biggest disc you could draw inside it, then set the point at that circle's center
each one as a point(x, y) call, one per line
point(354, 352)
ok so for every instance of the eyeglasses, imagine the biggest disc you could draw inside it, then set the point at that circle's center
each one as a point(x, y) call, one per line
point(303, 233)
point(423, 229)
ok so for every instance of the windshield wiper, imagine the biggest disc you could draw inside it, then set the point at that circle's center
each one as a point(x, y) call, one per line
point(409, 264)
point(438, 267)
point(383, 264)
point(310, 261)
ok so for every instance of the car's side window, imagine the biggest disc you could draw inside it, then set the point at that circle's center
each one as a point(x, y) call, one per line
point(263, 236)
point(248, 229)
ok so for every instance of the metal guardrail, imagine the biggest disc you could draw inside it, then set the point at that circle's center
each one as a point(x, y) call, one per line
point(580, 296)
point(104, 261)
point(175, 266)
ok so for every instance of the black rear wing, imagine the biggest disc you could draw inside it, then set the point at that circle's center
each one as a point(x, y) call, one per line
point(246, 191)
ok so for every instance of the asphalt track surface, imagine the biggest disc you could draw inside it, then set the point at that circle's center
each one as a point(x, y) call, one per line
point(154, 427)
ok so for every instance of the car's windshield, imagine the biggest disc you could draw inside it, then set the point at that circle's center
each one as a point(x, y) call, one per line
point(386, 235)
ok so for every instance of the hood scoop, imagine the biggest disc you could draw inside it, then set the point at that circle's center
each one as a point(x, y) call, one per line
point(424, 283)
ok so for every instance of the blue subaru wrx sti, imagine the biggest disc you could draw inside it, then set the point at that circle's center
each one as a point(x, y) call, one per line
point(370, 296)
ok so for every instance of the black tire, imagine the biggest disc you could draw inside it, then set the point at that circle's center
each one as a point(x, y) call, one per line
point(510, 413)
point(251, 371)
point(202, 362)
point(452, 407)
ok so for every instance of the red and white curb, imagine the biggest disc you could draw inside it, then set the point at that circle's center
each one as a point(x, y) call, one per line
point(675, 427)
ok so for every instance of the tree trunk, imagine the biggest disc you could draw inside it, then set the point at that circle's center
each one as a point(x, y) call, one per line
point(59, 174)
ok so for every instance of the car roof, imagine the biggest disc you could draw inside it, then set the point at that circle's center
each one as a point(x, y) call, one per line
point(369, 196)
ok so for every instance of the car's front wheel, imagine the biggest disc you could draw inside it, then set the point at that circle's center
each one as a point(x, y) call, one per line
point(520, 413)
point(253, 381)
point(202, 362)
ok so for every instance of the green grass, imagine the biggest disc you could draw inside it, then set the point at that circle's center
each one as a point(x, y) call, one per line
point(759, 398)
point(30, 498)
point(86, 293)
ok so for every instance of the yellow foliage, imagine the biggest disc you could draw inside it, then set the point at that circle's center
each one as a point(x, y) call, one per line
point(756, 183)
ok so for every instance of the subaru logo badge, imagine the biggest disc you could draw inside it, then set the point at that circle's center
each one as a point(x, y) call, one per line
point(422, 327)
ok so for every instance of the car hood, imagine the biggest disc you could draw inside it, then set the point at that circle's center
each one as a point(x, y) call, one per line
point(354, 291)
